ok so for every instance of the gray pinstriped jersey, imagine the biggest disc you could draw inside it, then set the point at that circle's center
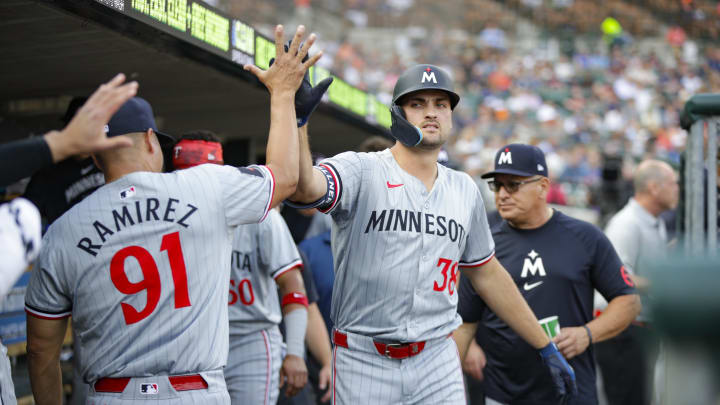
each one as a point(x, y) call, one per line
point(140, 265)
point(261, 253)
point(398, 248)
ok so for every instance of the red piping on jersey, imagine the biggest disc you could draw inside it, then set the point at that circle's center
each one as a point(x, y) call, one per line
point(272, 194)
point(267, 380)
point(296, 265)
point(337, 189)
point(477, 264)
point(46, 316)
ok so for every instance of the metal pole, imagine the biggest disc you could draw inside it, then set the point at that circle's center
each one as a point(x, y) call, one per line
point(711, 166)
point(687, 191)
point(695, 183)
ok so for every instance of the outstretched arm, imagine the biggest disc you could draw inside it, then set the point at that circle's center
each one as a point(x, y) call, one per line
point(312, 185)
point(282, 80)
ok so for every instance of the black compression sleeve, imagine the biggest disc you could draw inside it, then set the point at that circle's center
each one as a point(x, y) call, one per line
point(20, 159)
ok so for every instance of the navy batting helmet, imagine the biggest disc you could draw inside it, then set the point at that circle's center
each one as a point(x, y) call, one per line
point(417, 78)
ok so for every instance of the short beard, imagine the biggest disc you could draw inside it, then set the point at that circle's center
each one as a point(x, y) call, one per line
point(426, 144)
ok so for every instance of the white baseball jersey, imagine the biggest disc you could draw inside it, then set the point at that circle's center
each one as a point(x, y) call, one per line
point(398, 248)
point(261, 253)
point(141, 265)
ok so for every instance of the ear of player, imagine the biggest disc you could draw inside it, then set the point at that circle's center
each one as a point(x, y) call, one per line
point(562, 373)
point(307, 97)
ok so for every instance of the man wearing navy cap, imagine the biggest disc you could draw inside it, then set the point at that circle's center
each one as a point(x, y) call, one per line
point(556, 262)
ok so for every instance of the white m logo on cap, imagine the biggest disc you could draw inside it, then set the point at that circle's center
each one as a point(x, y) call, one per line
point(505, 158)
point(429, 76)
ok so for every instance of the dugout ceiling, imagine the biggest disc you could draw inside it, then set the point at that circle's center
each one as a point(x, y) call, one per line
point(54, 50)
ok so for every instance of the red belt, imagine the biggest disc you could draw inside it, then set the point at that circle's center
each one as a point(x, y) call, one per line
point(389, 350)
point(179, 382)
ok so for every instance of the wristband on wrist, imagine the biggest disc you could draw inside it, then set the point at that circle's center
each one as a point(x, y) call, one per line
point(294, 298)
point(295, 328)
point(588, 333)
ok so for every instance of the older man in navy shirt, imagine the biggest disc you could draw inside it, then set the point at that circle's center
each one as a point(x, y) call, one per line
point(556, 262)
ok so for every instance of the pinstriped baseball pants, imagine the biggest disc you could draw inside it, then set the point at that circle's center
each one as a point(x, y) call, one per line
point(215, 394)
point(253, 370)
point(362, 376)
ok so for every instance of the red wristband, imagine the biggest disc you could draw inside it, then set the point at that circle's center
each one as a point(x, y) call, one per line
point(294, 298)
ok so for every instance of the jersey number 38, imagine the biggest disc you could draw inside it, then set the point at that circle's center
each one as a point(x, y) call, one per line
point(151, 277)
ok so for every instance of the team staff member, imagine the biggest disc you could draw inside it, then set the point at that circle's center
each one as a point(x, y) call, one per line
point(399, 237)
point(264, 258)
point(141, 264)
point(556, 262)
point(84, 134)
point(627, 362)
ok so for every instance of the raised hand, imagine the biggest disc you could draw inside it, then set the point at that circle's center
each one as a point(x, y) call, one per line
point(85, 132)
point(288, 69)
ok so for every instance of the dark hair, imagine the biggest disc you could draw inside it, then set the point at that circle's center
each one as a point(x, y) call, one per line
point(200, 135)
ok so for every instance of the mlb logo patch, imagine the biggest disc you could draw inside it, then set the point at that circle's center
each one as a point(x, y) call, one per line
point(148, 388)
point(127, 193)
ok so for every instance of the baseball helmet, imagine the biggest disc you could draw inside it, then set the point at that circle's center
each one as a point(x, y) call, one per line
point(425, 77)
point(417, 78)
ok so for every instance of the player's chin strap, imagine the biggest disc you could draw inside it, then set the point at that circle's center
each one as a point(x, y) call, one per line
point(402, 130)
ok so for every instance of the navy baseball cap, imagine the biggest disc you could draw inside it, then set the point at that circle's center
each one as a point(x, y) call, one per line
point(520, 160)
point(136, 115)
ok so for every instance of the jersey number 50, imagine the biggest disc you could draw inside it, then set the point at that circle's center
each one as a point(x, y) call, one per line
point(151, 277)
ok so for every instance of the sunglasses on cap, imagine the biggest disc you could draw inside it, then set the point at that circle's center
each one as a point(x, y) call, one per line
point(511, 186)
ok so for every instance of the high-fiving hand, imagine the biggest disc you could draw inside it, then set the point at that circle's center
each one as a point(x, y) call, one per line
point(288, 69)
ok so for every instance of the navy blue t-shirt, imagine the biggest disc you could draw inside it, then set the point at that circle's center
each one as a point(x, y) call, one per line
point(555, 267)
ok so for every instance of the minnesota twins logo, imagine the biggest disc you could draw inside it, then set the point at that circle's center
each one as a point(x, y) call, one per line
point(533, 265)
point(428, 76)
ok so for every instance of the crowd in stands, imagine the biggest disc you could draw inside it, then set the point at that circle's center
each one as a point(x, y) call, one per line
point(597, 94)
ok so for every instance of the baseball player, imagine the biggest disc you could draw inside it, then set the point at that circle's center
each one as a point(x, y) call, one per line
point(140, 263)
point(403, 227)
point(264, 257)
point(556, 262)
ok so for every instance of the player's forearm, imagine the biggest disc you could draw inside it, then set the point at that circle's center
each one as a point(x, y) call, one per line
point(618, 315)
point(495, 286)
point(463, 336)
point(317, 339)
point(45, 380)
point(311, 185)
point(282, 146)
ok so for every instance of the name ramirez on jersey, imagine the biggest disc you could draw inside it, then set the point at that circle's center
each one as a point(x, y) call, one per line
point(145, 210)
